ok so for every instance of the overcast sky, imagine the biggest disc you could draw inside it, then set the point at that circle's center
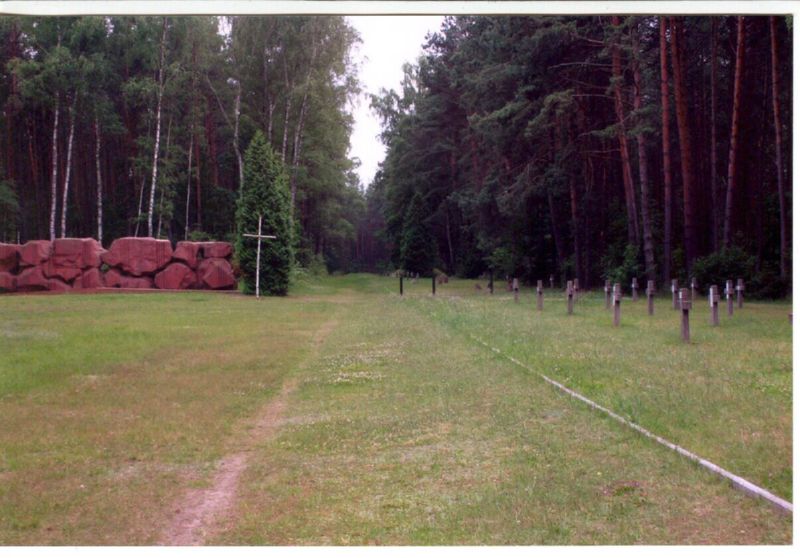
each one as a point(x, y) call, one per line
point(388, 42)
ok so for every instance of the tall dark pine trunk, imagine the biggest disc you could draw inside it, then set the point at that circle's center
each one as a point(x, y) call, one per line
point(644, 179)
point(776, 114)
point(556, 234)
point(737, 98)
point(665, 150)
point(684, 138)
point(713, 126)
point(627, 173)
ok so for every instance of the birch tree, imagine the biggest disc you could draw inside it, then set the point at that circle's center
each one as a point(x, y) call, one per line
point(67, 172)
point(158, 127)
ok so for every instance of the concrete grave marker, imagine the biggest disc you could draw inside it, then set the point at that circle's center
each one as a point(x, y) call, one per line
point(617, 300)
point(674, 288)
point(651, 291)
point(694, 288)
point(607, 290)
point(552, 282)
point(539, 295)
point(729, 295)
point(685, 302)
point(740, 292)
point(570, 297)
point(713, 302)
point(634, 289)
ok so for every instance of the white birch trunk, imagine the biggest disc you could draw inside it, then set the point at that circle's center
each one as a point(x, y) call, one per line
point(237, 109)
point(99, 180)
point(287, 111)
point(54, 178)
point(188, 185)
point(158, 132)
point(298, 132)
point(139, 213)
point(65, 192)
point(161, 199)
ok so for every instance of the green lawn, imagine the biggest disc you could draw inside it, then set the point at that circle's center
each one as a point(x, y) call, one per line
point(401, 429)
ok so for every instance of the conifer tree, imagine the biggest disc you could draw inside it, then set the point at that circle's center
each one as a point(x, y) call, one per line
point(417, 247)
point(265, 192)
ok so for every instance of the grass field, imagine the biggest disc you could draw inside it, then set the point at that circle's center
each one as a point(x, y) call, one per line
point(394, 426)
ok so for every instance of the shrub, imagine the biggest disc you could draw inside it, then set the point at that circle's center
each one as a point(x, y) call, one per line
point(767, 285)
point(199, 236)
point(729, 263)
point(623, 271)
point(501, 261)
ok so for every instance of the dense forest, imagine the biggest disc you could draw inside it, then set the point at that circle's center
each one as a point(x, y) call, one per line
point(123, 126)
point(592, 147)
point(586, 147)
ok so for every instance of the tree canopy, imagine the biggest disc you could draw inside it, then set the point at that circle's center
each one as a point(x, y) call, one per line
point(537, 142)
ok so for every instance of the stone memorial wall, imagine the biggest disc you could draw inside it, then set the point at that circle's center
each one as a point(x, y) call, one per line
point(130, 263)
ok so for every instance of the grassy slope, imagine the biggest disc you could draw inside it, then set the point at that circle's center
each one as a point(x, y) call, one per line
point(402, 430)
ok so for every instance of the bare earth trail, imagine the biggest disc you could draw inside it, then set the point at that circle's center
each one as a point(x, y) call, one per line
point(202, 511)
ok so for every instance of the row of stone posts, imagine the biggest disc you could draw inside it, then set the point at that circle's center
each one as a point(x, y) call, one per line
point(682, 299)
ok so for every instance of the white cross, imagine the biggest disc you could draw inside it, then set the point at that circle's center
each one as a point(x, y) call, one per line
point(259, 236)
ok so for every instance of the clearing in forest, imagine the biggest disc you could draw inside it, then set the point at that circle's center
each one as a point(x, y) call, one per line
point(345, 414)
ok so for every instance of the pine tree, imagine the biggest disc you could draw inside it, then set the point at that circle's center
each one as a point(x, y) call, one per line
point(417, 246)
point(265, 192)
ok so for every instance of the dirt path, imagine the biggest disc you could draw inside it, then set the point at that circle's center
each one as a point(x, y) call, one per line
point(201, 511)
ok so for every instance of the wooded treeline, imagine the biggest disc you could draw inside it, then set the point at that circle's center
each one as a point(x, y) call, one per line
point(591, 147)
point(117, 126)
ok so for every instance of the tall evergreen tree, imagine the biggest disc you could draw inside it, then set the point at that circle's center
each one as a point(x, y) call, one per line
point(418, 247)
point(266, 193)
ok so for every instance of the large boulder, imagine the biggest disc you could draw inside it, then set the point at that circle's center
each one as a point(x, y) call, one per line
point(52, 271)
point(188, 252)
point(9, 254)
point(80, 253)
point(57, 285)
point(89, 279)
point(138, 256)
point(34, 252)
point(216, 273)
point(216, 249)
point(70, 256)
point(32, 279)
point(7, 281)
point(176, 276)
point(113, 278)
